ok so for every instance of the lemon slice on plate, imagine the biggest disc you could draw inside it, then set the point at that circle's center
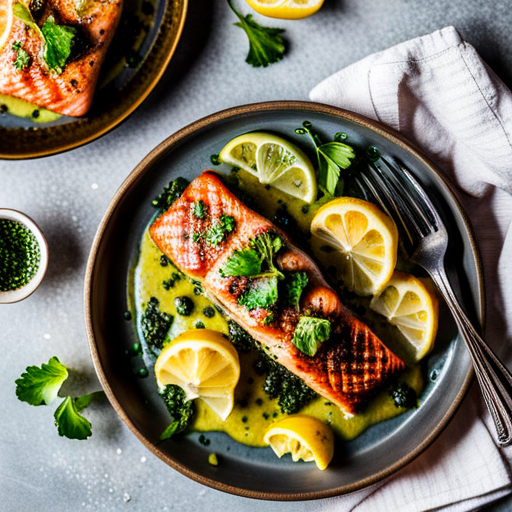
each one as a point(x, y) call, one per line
point(408, 303)
point(286, 9)
point(205, 365)
point(366, 237)
point(306, 438)
point(6, 18)
point(274, 161)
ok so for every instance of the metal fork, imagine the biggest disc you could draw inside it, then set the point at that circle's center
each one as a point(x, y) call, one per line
point(426, 241)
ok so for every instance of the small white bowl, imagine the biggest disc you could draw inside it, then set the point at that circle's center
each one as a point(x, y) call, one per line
point(23, 292)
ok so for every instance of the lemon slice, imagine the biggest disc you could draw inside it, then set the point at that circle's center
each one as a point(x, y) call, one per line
point(286, 9)
point(306, 438)
point(274, 161)
point(366, 237)
point(6, 18)
point(410, 305)
point(205, 365)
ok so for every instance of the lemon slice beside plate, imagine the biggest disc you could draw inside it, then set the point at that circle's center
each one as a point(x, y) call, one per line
point(304, 437)
point(205, 365)
point(366, 238)
point(409, 304)
point(286, 9)
point(274, 161)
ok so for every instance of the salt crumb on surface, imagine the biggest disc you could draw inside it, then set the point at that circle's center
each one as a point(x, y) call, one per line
point(46, 336)
point(119, 451)
point(94, 186)
point(143, 459)
point(126, 497)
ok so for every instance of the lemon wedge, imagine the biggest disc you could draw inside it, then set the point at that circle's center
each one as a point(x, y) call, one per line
point(6, 18)
point(366, 237)
point(274, 161)
point(408, 303)
point(286, 9)
point(205, 365)
point(306, 438)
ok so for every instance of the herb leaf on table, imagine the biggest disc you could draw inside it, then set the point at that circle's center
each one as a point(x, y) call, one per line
point(266, 46)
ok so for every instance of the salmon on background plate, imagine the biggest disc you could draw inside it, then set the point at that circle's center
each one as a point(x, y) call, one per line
point(317, 338)
point(53, 51)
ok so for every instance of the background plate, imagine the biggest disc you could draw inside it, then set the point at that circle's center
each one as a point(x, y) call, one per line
point(256, 472)
point(114, 102)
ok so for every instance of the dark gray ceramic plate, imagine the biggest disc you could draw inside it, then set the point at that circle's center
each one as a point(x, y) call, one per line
point(256, 472)
point(115, 99)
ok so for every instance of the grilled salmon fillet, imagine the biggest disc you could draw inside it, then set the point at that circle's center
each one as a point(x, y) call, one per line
point(70, 92)
point(347, 368)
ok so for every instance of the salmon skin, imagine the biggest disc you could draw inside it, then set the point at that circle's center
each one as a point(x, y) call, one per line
point(70, 92)
point(348, 368)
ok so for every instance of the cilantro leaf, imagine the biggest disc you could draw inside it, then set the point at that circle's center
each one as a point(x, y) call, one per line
point(70, 422)
point(266, 46)
point(59, 43)
point(261, 293)
point(170, 193)
point(200, 209)
point(218, 232)
point(22, 57)
point(309, 333)
point(40, 386)
point(246, 262)
point(182, 412)
point(332, 158)
point(294, 285)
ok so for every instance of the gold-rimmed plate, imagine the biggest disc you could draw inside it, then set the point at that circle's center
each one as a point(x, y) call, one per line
point(256, 472)
point(151, 30)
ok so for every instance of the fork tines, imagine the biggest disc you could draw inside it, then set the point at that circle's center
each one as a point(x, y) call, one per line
point(402, 198)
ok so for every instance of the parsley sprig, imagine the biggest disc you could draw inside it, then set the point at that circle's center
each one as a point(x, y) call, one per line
point(22, 57)
point(333, 157)
point(266, 46)
point(40, 386)
point(310, 333)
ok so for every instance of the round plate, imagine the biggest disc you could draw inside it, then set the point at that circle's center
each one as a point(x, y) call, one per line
point(113, 102)
point(256, 472)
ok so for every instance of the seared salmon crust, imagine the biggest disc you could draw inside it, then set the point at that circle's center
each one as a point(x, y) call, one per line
point(348, 368)
point(71, 92)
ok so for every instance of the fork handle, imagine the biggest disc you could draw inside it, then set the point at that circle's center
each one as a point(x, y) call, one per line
point(494, 378)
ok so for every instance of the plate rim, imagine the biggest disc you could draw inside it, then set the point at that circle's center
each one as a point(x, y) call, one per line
point(125, 114)
point(159, 152)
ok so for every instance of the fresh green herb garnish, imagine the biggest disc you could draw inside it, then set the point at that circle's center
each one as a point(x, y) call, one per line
point(22, 57)
point(294, 285)
point(261, 293)
point(170, 193)
point(40, 386)
point(200, 209)
point(58, 44)
point(182, 412)
point(266, 46)
point(332, 158)
point(57, 40)
point(218, 232)
point(155, 324)
point(309, 333)
point(249, 261)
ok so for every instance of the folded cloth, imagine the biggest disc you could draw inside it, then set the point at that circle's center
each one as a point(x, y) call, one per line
point(440, 94)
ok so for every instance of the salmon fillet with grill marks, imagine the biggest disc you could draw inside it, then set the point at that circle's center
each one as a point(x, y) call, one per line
point(71, 92)
point(348, 368)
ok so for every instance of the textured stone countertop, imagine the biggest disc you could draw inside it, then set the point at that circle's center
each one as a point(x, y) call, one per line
point(67, 195)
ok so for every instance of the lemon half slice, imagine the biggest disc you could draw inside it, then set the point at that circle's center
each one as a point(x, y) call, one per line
point(6, 18)
point(410, 305)
point(366, 237)
point(286, 9)
point(306, 438)
point(274, 161)
point(205, 365)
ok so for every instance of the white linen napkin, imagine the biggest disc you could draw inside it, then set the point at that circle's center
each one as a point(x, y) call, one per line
point(439, 93)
